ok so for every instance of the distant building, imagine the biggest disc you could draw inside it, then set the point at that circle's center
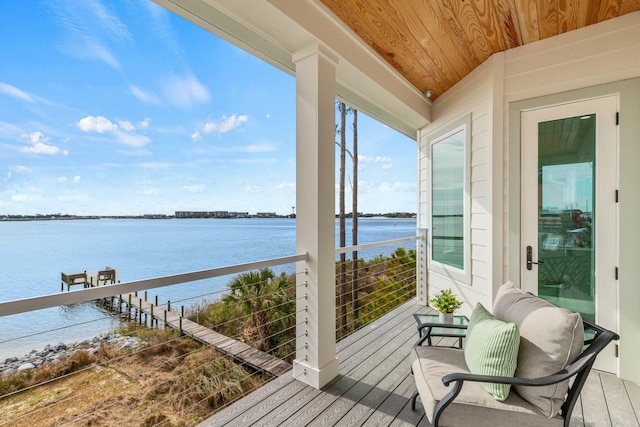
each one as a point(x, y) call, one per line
point(266, 215)
point(211, 214)
point(239, 214)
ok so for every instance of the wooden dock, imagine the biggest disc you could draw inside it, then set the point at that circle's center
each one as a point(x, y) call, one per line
point(88, 280)
point(238, 350)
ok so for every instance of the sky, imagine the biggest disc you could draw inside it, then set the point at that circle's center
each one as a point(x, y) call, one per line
point(121, 107)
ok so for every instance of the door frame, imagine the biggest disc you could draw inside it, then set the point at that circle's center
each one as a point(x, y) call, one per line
point(606, 183)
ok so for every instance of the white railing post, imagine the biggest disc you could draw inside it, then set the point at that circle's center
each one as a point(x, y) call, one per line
point(316, 363)
point(421, 267)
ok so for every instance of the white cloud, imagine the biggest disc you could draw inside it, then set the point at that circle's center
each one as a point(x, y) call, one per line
point(145, 123)
point(386, 187)
point(144, 96)
point(21, 169)
point(132, 139)
point(62, 179)
point(185, 92)
point(77, 178)
point(225, 124)
point(72, 198)
point(37, 137)
point(123, 131)
point(98, 124)
point(377, 159)
point(150, 191)
point(88, 28)
point(195, 188)
point(286, 186)
point(196, 136)
point(40, 148)
point(260, 148)
point(155, 165)
point(253, 188)
point(9, 130)
point(363, 161)
point(126, 125)
point(39, 145)
point(26, 197)
point(15, 92)
point(94, 49)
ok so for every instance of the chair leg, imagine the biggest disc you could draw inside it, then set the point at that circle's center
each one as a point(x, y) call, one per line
point(413, 400)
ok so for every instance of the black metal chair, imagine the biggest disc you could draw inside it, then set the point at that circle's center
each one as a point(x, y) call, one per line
point(578, 370)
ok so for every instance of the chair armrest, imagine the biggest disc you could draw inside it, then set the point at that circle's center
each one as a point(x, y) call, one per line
point(458, 379)
point(559, 376)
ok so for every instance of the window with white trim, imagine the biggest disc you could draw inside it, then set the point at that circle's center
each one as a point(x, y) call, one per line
point(449, 200)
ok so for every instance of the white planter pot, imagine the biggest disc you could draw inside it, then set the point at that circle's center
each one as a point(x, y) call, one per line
point(446, 318)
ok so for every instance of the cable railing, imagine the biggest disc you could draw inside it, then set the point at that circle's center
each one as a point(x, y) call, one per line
point(367, 289)
point(214, 379)
point(166, 376)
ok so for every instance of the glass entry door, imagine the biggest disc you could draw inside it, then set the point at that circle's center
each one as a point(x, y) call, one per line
point(569, 212)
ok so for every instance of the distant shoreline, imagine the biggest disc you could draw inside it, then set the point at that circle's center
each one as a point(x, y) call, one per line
point(395, 215)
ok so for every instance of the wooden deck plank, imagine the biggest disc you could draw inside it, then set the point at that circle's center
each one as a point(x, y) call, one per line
point(577, 420)
point(345, 382)
point(374, 391)
point(277, 417)
point(347, 361)
point(286, 385)
point(594, 407)
point(409, 417)
point(618, 404)
point(393, 403)
point(371, 381)
point(358, 402)
point(374, 398)
point(254, 416)
point(350, 356)
point(633, 391)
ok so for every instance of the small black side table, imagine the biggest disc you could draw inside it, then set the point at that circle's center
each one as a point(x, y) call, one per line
point(429, 326)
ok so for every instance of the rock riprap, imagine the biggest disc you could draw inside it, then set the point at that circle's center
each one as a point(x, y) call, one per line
point(53, 353)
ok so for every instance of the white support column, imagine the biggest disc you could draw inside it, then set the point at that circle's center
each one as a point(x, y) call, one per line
point(316, 363)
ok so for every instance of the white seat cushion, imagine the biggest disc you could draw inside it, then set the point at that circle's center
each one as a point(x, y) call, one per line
point(473, 406)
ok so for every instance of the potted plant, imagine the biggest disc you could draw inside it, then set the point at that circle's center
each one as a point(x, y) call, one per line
point(445, 302)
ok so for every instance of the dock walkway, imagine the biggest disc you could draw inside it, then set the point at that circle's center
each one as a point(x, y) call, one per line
point(238, 350)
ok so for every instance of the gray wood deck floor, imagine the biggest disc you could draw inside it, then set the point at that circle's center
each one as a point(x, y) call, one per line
point(375, 385)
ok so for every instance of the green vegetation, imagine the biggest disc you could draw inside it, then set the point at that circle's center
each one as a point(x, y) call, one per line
point(259, 308)
point(445, 301)
point(173, 380)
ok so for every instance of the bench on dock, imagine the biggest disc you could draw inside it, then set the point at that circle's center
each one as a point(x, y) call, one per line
point(74, 279)
point(108, 275)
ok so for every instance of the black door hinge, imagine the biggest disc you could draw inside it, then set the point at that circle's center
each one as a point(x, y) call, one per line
point(616, 273)
point(617, 196)
point(617, 351)
point(617, 118)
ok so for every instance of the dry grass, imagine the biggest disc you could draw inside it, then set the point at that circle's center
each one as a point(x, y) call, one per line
point(171, 381)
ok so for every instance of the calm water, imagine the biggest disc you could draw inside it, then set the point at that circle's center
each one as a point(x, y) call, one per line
point(34, 253)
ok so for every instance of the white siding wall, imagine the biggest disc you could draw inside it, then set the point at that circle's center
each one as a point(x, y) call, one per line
point(593, 55)
point(594, 61)
point(475, 95)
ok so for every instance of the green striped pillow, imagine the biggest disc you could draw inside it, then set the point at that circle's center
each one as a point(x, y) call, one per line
point(491, 348)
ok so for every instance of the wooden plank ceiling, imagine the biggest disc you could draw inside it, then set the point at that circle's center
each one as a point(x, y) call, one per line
point(435, 43)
